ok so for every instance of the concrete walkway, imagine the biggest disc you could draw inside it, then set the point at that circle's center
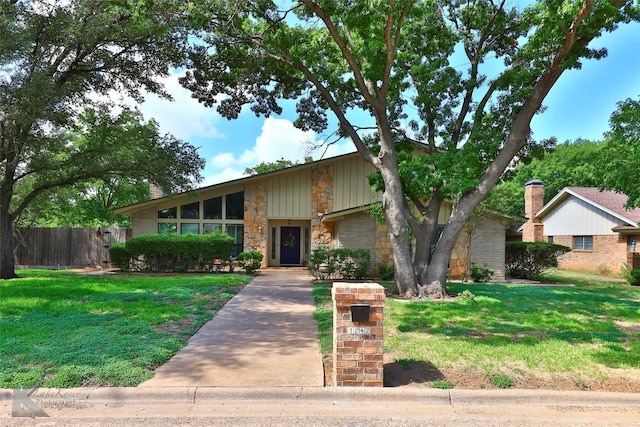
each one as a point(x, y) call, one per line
point(264, 337)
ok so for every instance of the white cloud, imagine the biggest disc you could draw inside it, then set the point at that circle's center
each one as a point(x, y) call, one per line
point(184, 117)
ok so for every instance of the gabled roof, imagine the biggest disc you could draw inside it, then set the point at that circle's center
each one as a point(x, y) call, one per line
point(608, 201)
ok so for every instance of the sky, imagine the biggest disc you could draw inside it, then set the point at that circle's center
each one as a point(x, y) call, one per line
point(579, 106)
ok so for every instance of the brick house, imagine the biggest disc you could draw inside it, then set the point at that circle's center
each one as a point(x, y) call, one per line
point(601, 233)
point(287, 213)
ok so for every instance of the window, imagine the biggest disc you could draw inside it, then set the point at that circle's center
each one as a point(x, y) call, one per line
point(167, 227)
point(168, 213)
point(237, 232)
point(210, 228)
point(190, 211)
point(583, 243)
point(550, 239)
point(212, 208)
point(235, 206)
point(631, 243)
point(186, 228)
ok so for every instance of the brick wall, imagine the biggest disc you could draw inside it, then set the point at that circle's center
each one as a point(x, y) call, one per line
point(609, 254)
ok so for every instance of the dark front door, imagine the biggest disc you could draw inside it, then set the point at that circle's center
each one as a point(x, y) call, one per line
point(289, 245)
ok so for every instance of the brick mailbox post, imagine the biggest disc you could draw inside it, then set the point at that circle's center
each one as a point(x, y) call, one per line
point(357, 334)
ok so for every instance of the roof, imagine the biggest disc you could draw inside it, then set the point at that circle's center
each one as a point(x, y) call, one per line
point(608, 201)
point(130, 208)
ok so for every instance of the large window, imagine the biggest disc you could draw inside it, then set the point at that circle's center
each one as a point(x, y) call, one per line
point(583, 243)
point(235, 205)
point(237, 232)
point(211, 228)
point(188, 228)
point(190, 211)
point(168, 213)
point(212, 208)
point(167, 227)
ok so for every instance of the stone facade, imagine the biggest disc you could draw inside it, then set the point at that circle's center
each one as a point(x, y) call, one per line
point(255, 218)
point(532, 230)
point(322, 203)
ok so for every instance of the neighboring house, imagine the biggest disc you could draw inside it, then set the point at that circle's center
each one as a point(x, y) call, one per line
point(287, 213)
point(601, 233)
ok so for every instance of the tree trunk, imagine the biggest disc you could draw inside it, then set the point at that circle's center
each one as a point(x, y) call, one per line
point(7, 260)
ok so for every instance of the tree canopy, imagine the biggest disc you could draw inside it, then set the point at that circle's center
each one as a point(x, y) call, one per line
point(395, 62)
point(63, 65)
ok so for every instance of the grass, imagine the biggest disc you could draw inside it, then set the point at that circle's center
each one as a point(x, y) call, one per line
point(61, 329)
point(584, 332)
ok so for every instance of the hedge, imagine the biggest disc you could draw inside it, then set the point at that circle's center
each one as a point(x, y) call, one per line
point(172, 252)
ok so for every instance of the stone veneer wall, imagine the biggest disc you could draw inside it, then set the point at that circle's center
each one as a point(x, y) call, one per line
point(321, 203)
point(255, 218)
point(609, 252)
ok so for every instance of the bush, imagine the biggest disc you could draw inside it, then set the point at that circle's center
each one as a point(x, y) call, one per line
point(119, 256)
point(527, 260)
point(172, 252)
point(250, 261)
point(480, 274)
point(343, 263)
point(385, 271)
point(633, 276)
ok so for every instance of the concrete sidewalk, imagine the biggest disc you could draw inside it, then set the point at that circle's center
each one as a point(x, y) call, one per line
point(265, 336)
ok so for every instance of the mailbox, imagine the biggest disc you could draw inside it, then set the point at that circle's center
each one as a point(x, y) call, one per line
point(360, 312)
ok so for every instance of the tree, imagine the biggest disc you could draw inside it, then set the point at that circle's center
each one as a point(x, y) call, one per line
point(440, 133)
point(264, 167)
point(59, 60)
point(621, 152)
point(572, 164)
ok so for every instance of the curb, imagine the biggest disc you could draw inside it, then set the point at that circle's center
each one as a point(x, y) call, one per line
point(195, 395)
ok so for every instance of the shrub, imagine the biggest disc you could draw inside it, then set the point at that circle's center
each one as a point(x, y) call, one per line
point(480, 274)
point(385, 271)
point(172, 252)
point(343, 263)
point(527, 260)
point(250, 261)
point(633, 276)
point(119, 256)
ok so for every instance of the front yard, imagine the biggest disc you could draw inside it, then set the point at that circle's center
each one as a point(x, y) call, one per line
point(584, 337)
point(61, 329)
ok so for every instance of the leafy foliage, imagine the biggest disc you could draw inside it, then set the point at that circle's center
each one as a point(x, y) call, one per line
point(441, 133)
point(480, 274)
point(341, 263)
point(250, 261)
point(527, 260)
point(173, 252)
point(58, 127)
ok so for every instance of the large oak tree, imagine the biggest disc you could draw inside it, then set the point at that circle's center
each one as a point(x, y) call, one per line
point(59, 61)
point(457, 81)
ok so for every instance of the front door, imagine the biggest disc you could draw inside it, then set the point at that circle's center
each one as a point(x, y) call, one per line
point(289, 245)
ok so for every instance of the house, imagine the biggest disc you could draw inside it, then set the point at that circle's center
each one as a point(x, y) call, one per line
point(287, 213)
point(601, 233)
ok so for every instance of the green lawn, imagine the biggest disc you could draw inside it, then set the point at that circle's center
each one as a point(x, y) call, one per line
point(61, 329)
point(588, 332)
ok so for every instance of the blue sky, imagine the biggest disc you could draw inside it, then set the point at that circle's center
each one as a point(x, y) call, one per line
point(579, 106)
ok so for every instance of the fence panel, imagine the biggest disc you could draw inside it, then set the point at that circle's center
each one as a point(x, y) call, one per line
point(65, 247)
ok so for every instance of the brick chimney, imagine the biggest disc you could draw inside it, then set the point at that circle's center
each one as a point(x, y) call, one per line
point(533, 230)
point(155, 192)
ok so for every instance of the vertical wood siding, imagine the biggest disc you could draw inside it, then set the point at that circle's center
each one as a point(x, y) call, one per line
point(351, 186)
point(65, 247)
point(289, 195)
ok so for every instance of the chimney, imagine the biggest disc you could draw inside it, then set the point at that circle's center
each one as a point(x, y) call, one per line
point(533, 230)
point(155, 192)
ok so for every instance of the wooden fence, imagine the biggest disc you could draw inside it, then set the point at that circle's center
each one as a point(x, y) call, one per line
point(65, 247)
